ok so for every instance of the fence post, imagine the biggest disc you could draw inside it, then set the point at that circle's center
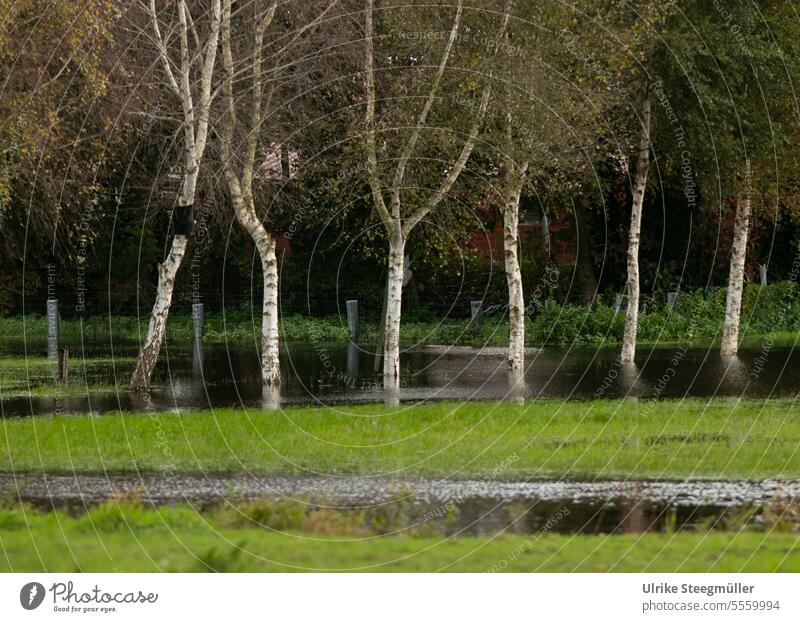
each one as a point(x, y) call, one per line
point(53, 328)
point(621, 303)
point(476, 311)
point(198, 320)
point(762, 273)
point(672, 299)
point(63, 364)
point(352, 319)
point(352, 364)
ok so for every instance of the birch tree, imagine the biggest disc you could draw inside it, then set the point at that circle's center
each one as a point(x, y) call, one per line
point(544, 124)
point(633, 53)
point(239, 178)
point(398, 218)
point(739, 77)
point(515, 180)
point(194, 96)
point(632, 286)
point(733, 295)
point(249, 86)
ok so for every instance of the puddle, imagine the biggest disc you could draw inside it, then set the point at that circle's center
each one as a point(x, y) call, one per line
point(462, 507)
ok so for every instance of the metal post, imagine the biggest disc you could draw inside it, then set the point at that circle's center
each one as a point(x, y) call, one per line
point(352, 364)
point(672, 299)
point(621, 303)
point(53, 328)
point(762, 272)
point(198, 319)
point(352, 319)
point(197, 358)
point(476, 311)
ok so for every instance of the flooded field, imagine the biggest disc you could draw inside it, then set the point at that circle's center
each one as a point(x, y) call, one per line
point(226, 375)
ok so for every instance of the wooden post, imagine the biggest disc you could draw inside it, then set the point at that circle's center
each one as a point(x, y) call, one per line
point(63, 364)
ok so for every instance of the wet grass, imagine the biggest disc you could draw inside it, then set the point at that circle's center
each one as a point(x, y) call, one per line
point(717, 438)
point(128, 537)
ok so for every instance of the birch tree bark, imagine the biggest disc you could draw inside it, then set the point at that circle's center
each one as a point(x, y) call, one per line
point(640, 185)
point(516, 301)
point(391, 339)
point(733, 296)
point(398, 225)
point(195, 133)
point(240, 181)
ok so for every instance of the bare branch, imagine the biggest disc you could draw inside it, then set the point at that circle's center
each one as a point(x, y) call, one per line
point(412, 141)
point(466, 151)
point(162, 50)
point(186, 88)
point(307, 27)
point(206, 78)
point(372, 157)
point(197, 44)
point(254, 129)
point(229, 120)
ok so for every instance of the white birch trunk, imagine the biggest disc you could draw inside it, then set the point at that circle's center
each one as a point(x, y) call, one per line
point(516, 300)
point(265, 245)
point(148, 353)
point(167, 271)
point(517, 387)
point(640, 184)
point(195, 132)
point(394, 297)
point(270, 361)
point(733, 297)
point(240, 186)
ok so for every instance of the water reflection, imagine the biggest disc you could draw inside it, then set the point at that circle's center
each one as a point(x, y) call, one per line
point(198, 375)
point(197, 359)
point(270, 397)
point(631, 383)
point(517, 387)
point(735, 374)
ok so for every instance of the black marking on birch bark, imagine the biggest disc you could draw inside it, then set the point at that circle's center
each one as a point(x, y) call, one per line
point(183, 220)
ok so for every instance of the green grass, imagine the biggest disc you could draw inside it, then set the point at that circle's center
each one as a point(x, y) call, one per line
point(716, 438)
point(134, 539)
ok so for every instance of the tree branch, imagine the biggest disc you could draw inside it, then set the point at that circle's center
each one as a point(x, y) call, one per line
point(206, 77)
point(229, 120)
point(162, 50)
point(185, 84)
point(254, 129)
point(412, 141)
point(372, 157)
point(469, 145)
